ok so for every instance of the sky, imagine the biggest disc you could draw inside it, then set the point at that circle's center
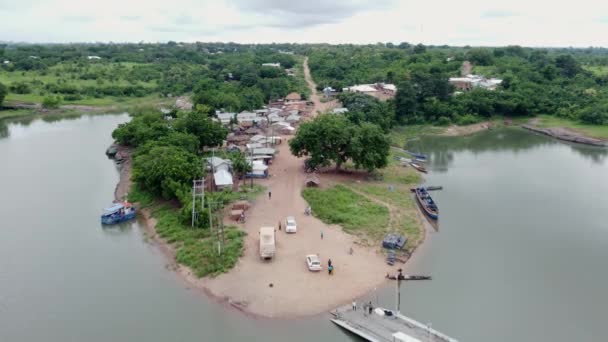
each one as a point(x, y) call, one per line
point(580, 23)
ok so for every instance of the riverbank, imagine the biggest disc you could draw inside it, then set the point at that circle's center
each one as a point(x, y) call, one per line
point(569, 131)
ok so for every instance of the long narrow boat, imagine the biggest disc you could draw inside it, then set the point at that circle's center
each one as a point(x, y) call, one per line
point(426, 202)
point(418, 156)
point(418, 167)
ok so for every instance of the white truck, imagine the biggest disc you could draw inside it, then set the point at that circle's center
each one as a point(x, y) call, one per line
point(267, 241)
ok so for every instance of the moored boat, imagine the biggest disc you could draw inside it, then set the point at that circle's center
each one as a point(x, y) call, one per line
point(418, 167)
point(111, 151)
point(418, 156)
point(119, 212)
point(426, 202)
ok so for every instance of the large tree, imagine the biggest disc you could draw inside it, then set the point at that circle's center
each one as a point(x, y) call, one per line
point(369, 147)
point(208, 132)
point(166, 171)
point(325, 139)
point(333, 138)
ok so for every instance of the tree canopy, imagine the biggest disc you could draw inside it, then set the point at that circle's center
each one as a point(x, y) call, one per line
point(335, 139)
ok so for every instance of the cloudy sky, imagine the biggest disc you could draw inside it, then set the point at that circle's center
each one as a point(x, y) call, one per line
point(463, 22)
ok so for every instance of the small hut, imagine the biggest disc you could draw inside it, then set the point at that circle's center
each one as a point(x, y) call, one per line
point(312, 181)
point(293, 97)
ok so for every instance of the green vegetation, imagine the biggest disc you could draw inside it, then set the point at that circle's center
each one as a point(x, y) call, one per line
point(9, 114)
point(166, 159)
point(568, 83)
point(340, 205)
point(595, 131)
point(3, 92)
point(227, 76)
point(333, 138)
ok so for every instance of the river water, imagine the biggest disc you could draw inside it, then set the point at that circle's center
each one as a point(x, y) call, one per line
point(519, 256)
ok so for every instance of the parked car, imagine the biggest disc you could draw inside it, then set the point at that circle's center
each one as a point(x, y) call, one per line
point(313, 262)
point(290, 225)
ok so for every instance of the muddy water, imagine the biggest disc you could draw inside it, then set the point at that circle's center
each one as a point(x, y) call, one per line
point(520, 253)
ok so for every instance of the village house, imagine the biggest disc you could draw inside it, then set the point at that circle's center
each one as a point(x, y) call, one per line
point(93, 57)
point(258, 169)
point(339, 110)
point(473, 81)
point(222, 172)
point(274, 65)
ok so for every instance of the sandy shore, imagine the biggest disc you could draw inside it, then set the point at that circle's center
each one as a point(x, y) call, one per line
point(124, 182)
point(455, 130)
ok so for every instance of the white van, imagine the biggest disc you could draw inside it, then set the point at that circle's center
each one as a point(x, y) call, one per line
point(267, 247)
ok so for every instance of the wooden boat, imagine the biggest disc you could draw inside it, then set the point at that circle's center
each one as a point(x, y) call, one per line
point(408, 277)
point(119, 212)
point(418, 167)
point(111, 151)
point(426, 202)
point(429, 188)
point(418, 156)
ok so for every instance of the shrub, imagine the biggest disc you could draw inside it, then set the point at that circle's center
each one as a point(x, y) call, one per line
point(51, 102)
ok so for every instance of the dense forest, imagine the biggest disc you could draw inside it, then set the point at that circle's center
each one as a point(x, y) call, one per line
point(221, 76)
point(570, 83)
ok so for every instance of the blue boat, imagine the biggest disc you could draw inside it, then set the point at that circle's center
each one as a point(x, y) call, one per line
point(426, 202)
point(119, 212)
point(418, 156)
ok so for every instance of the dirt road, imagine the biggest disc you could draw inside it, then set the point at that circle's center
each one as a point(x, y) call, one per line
point(284, 287)
point(320, 107)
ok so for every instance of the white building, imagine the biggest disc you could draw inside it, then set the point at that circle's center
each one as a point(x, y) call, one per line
point(274, 65)
point(93, 57)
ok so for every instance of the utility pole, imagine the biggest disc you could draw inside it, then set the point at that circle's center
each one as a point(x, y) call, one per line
point(198, 190)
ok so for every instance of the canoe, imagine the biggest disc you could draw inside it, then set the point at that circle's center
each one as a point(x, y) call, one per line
point(418, 156)
point(426, 202)
point(418, 167)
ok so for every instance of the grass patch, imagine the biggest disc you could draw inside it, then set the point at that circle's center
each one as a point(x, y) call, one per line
point(340, 205)
point(596, 131)
point(597, 70)
point(399, 135)
point(15, 113)
point(197, 247)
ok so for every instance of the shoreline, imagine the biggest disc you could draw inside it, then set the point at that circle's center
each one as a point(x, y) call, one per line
point(565, 134)
point(209, 286)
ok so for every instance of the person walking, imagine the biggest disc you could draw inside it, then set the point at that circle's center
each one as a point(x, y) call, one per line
point(354, 306)
point(279, 225)
point(330, 269)
point(321, 234)
point(328, 262)
point(269, 194)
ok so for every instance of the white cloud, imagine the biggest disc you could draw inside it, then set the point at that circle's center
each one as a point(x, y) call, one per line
point(464, 22)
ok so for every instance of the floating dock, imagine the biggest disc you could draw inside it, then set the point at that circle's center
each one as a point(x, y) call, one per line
point(382, 328)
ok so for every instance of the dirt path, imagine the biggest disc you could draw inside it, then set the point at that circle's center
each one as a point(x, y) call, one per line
point(320, 107)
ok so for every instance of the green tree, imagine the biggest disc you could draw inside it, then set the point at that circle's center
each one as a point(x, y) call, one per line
point(405, 103)
point(326, 139)
point(208, 132)
point(369, 147)
point(3, 92)
point(240, 165)
point(166, 171)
